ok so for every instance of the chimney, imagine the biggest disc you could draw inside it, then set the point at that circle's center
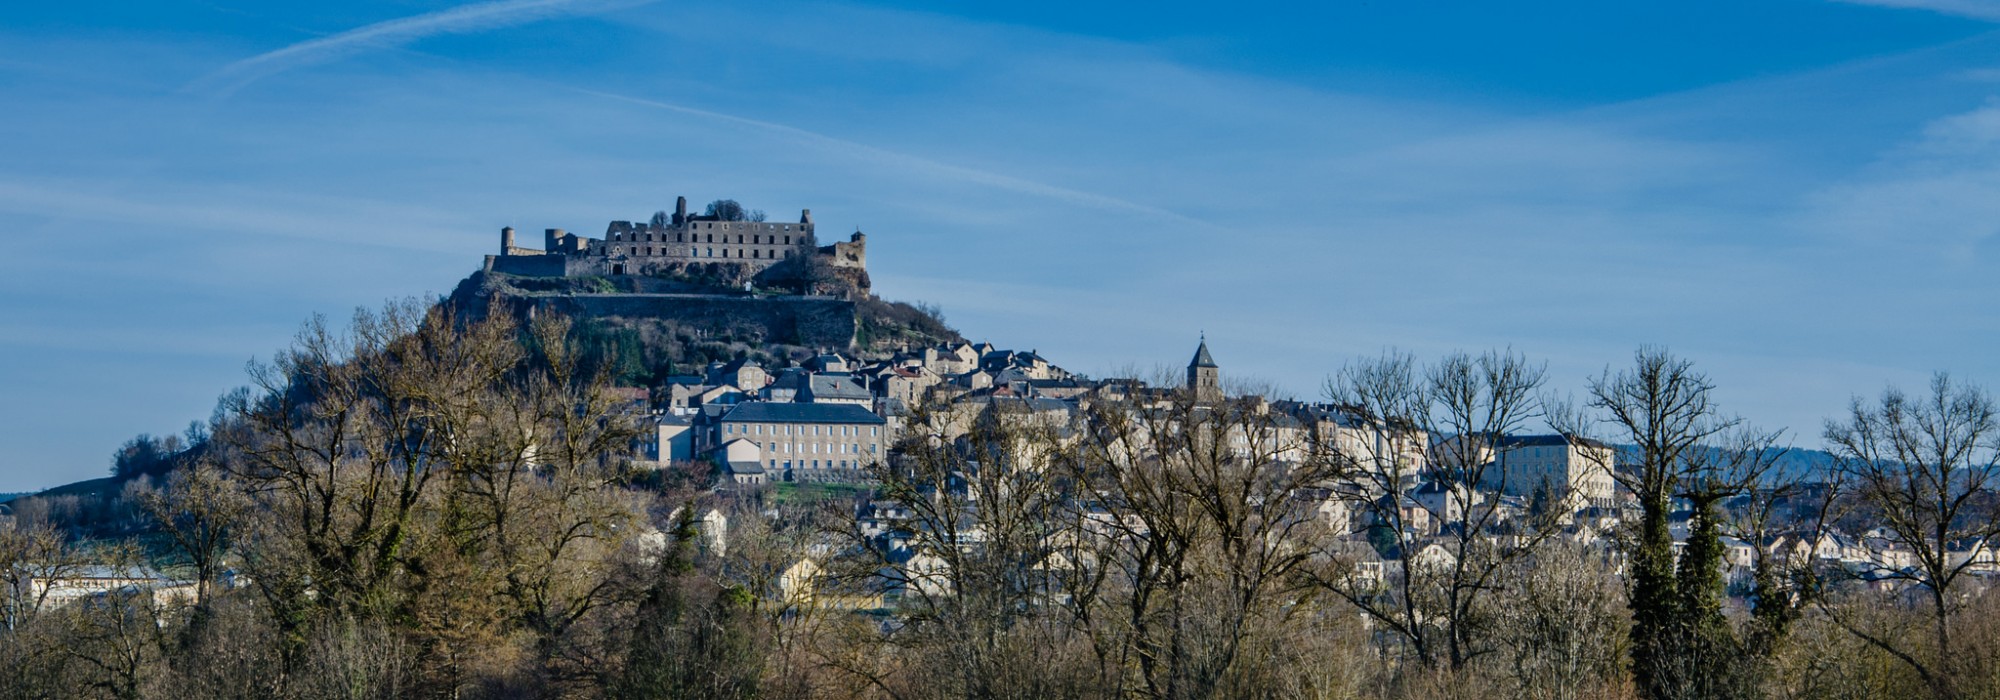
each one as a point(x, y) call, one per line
point(680, 210)
point(806, 216)
point(507, 240)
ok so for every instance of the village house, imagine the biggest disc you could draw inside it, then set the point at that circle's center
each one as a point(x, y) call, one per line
point(1572, 470)
point(808, 441)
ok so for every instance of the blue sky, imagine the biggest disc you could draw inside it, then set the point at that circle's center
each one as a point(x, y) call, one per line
point(1798, 195)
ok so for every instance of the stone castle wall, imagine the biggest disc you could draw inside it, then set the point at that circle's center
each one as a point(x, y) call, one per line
point(529, 265)
point(758, 244)
point(807, 321)
point(853, 253)
point(668, 244)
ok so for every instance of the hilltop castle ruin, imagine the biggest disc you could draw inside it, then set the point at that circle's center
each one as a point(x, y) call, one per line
point(669, 244)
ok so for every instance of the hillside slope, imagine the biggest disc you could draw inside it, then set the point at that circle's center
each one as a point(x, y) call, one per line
point(653, 327)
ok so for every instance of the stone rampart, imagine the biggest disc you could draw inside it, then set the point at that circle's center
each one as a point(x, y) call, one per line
point(806, 321)
point(529, 265)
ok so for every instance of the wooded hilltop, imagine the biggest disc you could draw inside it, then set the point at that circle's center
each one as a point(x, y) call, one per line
point(424, 502)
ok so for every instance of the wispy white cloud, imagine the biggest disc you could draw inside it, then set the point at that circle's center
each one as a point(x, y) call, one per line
point(916, 165)
point(457, 20)
point(236, 212)
point(1013, 172)
point(1933, 196)
point(1976, 9)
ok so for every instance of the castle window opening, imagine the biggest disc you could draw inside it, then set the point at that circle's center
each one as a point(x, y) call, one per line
point(788, 240)
point(756, 253)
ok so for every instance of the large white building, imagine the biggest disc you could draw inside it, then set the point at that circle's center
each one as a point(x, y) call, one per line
point(808, 441)
point(1573, 468)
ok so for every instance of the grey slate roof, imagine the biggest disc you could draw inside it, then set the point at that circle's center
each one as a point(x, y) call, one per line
point(836, 386)
point(1547, 441)
point(1201, 358)
point(777, 412)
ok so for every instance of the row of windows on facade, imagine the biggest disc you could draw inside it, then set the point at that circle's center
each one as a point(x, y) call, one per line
point(844, 464)
point(787, 447)
point(844, 430)
point(699, 238)
point(700, 253)
point(745, 224)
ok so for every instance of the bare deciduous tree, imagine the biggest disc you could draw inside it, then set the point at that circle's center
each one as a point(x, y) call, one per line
point(31, 555)
point(1683, 447)
point(1203, 530)
point(1446, 427)
point(1926, 466)
point(201, 510)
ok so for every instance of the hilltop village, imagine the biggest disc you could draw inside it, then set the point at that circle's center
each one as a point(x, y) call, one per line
point(701, 446)
point(838, 417)
point(836, 420)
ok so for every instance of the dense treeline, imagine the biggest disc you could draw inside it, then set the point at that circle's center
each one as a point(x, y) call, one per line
point(416, 505)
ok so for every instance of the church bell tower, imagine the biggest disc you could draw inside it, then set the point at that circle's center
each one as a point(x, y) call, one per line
point(1204, 378)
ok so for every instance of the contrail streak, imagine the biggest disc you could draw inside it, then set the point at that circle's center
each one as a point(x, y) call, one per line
point(916, 163)
point(456, 20)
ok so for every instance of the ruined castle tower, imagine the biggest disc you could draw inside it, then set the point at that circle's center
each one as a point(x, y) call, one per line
point(1204, 378)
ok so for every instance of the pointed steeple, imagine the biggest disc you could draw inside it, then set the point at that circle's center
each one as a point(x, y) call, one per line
point(1201, 358)
point(1204, 377)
